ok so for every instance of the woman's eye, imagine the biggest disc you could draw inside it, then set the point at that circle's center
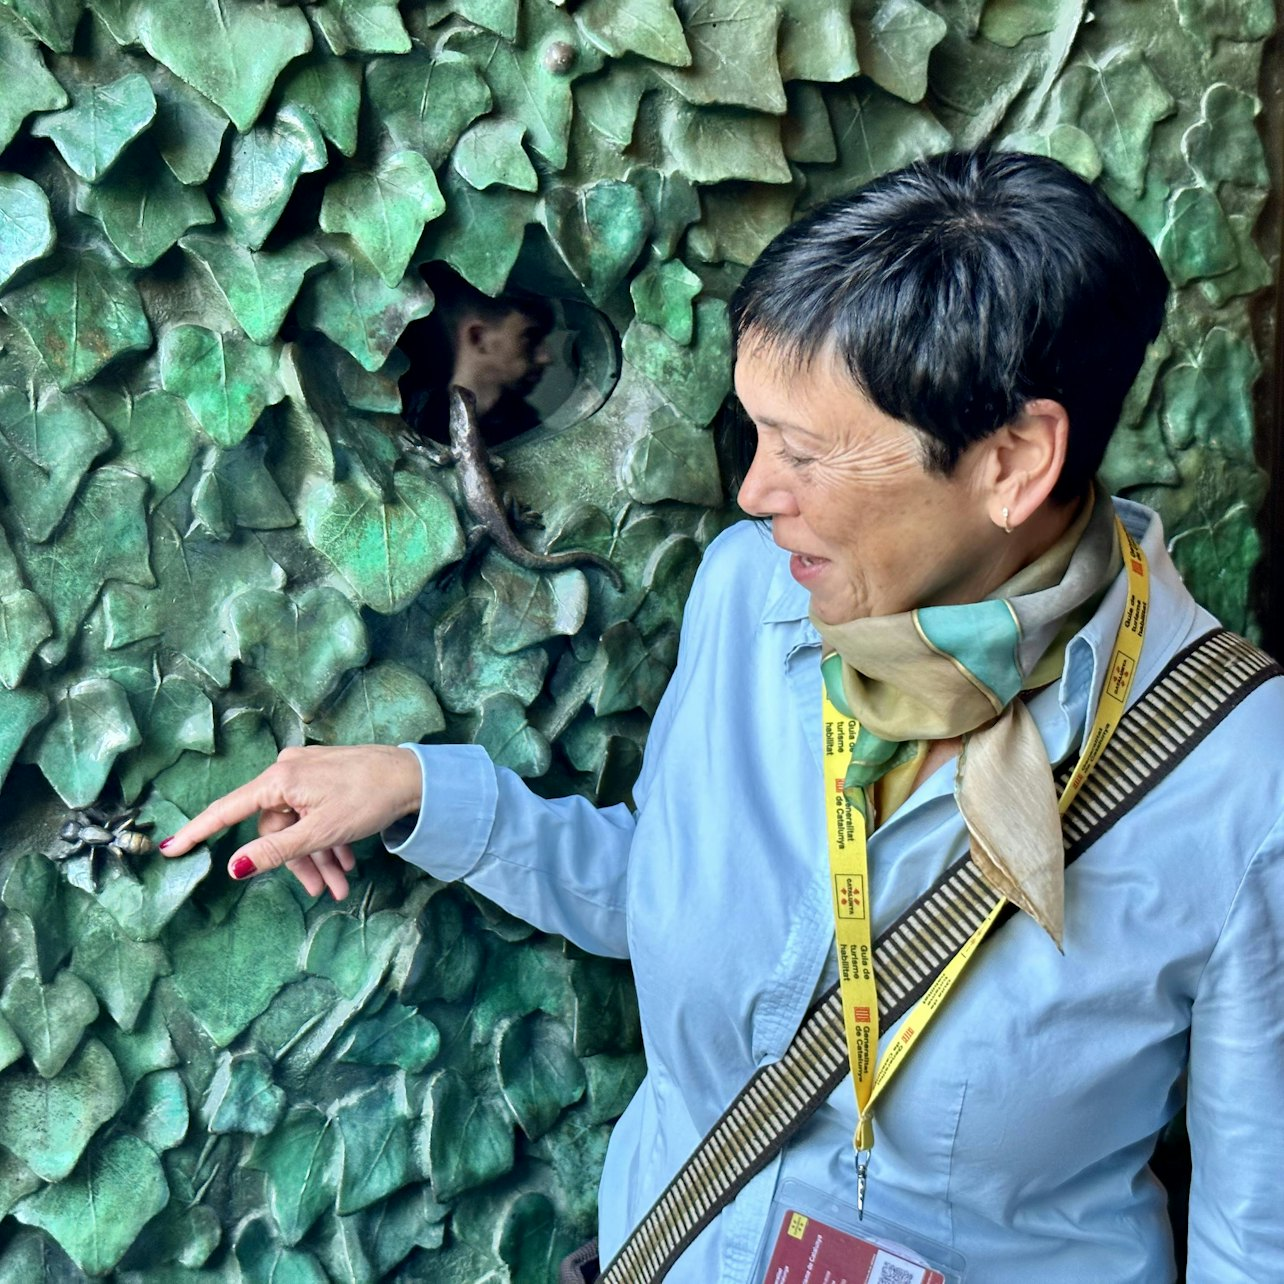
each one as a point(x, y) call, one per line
point(795, 461)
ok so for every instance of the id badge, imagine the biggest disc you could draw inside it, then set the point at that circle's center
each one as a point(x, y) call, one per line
point(812, 1239)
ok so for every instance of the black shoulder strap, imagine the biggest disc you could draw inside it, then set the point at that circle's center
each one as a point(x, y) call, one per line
point(1196, 690)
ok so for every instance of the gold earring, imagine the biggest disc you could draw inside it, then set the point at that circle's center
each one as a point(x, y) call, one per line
point(1007, 530)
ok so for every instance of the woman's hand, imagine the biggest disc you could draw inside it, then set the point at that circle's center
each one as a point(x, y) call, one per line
point(313, 803)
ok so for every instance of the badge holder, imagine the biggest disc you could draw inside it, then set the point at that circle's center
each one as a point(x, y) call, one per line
point(813, 1239)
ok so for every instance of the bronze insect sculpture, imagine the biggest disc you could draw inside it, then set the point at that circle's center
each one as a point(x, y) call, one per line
point(96, 830)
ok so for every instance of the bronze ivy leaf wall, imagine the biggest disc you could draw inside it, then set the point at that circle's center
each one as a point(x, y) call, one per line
point(212, 219)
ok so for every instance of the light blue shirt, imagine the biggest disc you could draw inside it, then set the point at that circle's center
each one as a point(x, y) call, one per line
point(1018, 1132)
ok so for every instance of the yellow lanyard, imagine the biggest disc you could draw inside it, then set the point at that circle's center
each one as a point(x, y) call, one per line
point(849, 866)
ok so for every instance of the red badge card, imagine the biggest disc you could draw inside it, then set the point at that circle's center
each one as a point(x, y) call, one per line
point(810, 1252)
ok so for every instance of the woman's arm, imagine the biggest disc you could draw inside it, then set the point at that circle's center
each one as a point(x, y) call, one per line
point(1235, 1110)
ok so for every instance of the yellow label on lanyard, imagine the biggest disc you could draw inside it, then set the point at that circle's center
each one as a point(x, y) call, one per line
point(849, 867)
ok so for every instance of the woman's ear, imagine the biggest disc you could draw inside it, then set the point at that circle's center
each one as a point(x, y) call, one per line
point(1026, 460)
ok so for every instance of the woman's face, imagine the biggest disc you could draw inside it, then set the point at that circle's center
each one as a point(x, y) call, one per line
point(870, 531)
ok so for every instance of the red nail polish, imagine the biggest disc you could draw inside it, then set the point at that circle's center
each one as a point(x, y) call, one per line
point(165, 842)
point(242, 867)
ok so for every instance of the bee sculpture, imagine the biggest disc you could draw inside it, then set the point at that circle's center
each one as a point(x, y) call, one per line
point(96, 830)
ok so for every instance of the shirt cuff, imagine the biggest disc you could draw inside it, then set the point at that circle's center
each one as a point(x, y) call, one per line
point(456, 815)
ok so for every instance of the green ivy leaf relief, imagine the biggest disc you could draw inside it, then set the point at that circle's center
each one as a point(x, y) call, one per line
point(1223, 145)
point(598, 230)
point(51, 22)
point(1121, 100)
point(351, 305)
point(611, 1082)
point(384, 210)
point(242, 1096)
point(235, 489)
point(384, 703)
point(1208, 394)
point(733, 55)
point(527, 608)
point(329, 90)
point(480, 234)
point(522, 85)
point(425, 102)
point(188, 129)
point(675, 461)
point(408, 1219)
point(538, 1071)
point(353, 951)
point(807, 135)
point(80, 317)
point(230, 971)
point(490, 152)
point(301, 1159)
point(104, 537)
point(262, 169)
point(155, 434)
point(1250, 274)
point(142, 908)
point(894, 43)
point(1221, 556)
point(668, 576)
point(509, 739)
point(302, 644)
point(1008, 22)
point(694, 377)
point(16, 1179)
point(119, 971)
point(499, 16)
point(157, 1110)
point(244, 748)
point(193, 570)
point(396, 1036)
point(740, 219)
point(385, 551)
point(469, 672)
point(226, 381)
point(173, 715)
point(26, 225)
point(143, 208)
point(647, 27)
point(817, 41)
point(24, 625)
point(37, 927)
point(261, 1254)
point(674, 205)
point(1065, 143)
point(1196, 239)
point(470, 1137)
point(374, 1129)
point(96, 1214)
point(47, 1123)
point(1210, 20)
point(92, 726)
point(713, 144)
point(231, 53)
point(28, 86)
point(49, 1019)
point(260, 286)
point(875, 132)
point(146, 1048)
point(362, 26)
point(633, 677)
point(606, 1007)
point(47, 442)
point(100, 123)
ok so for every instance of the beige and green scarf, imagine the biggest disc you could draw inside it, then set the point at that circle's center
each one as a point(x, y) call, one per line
point(943, 672)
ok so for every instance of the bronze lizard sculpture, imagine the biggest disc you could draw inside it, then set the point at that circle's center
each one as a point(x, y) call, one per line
point(485, 506)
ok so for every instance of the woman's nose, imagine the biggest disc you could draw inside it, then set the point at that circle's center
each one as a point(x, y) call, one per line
point(763, 493)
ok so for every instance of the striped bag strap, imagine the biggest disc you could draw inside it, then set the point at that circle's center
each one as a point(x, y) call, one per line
point(1196, 690)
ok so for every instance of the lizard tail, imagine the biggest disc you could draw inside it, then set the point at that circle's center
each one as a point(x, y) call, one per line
point(533, 561)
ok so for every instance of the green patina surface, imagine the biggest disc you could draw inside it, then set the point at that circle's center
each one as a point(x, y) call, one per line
point(212, 214)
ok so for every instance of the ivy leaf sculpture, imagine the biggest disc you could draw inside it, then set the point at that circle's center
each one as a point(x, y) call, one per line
point(27, 223)
point(232, 53)
point(100, 123)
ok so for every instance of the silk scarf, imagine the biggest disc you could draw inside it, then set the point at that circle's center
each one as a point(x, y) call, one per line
point(945, 672)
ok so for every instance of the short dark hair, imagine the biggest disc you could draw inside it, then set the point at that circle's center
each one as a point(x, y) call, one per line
point(456, 299)
point(958, 289)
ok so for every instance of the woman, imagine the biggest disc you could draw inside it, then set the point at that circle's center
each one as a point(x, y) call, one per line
point(933, 366)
